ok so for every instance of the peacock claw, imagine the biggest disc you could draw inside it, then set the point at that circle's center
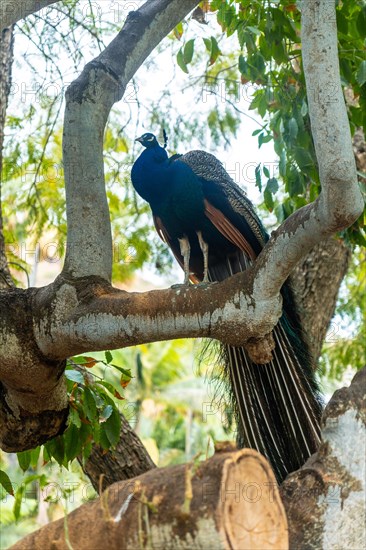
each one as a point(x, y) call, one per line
point(205, 284)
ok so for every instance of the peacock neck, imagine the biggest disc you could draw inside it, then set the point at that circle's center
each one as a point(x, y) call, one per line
point(150, 174)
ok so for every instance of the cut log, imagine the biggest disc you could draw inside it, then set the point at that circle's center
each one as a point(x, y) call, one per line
point(230, 501)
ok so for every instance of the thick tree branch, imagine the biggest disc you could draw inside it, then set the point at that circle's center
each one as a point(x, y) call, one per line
point(12, 11)
point(76, 318)
point(340, 202)
point(89, 100)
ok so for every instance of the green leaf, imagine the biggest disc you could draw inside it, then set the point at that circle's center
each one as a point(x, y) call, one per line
point(361, 73)
point(18, 501)
point(303, 158)
point(72, 443)
point(181, 62)
point(56, 449)
point(103, 439)
point(342, 23)
point(208, 44)
point(254, 30)
point(112, 427)
point(126, 373)
point(108, 357)
point(304, 108)
point(293, 128)
point(243, 65)
point(24, 459)
point(6, 483)
point(109, 387)
point(74, 376)
point(264, 139)
point(268, 199)
point(74, 417)
point(361, 22)
point(107, 411)
point(90, 405)
point(266, 171)
point(188, 51)
point(35, 456)
point(215, 50)
point(279, 213)
point(258, 179)
point(272, 185)
point(295, 182)
point(178, 31)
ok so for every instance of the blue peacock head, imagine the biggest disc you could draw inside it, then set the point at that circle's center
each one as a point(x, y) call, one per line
point(148, 140)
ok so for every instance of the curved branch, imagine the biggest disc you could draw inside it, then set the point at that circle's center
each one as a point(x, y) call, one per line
point(12, 11)
point(340, 202)
point(77, 316)
point(89, 100)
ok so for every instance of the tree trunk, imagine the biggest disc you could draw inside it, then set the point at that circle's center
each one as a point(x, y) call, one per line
point(129, 459)
point(316, 281)
point(6, 59)
point(228, 501)
point(325, 500)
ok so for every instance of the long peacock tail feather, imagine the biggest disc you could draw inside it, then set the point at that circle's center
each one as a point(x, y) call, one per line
point(276, 405)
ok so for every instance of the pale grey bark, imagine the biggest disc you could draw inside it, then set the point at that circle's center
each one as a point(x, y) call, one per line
point(12, 11)
point(104, 318)
point(6, 59)
point(325, 499)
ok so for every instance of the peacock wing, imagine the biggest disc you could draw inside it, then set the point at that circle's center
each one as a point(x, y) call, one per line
point(225, 195)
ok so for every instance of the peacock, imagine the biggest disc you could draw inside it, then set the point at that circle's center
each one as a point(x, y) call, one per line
point(213, 231)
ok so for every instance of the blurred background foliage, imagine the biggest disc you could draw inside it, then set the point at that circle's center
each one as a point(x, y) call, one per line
point(232, 62)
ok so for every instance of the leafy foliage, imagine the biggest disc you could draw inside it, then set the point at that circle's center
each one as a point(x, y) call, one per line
point(345, 350)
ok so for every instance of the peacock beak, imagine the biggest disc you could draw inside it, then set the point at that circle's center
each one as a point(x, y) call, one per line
point(139, 139)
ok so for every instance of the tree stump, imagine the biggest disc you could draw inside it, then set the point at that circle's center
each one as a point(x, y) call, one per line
point(230, 501)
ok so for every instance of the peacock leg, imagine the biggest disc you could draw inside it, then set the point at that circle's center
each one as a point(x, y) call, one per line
point(185, 250)
point(204, 248)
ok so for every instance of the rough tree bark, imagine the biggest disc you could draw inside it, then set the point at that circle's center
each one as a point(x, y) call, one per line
point(12, 11)
point(129, 459)
point(316, 280)
point(6, 58)
point(229, 501)
point(325, 500)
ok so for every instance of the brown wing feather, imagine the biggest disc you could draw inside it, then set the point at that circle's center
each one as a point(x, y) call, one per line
point(224, 225)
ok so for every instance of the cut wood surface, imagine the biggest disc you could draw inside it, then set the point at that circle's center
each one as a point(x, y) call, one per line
point(230, 501)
